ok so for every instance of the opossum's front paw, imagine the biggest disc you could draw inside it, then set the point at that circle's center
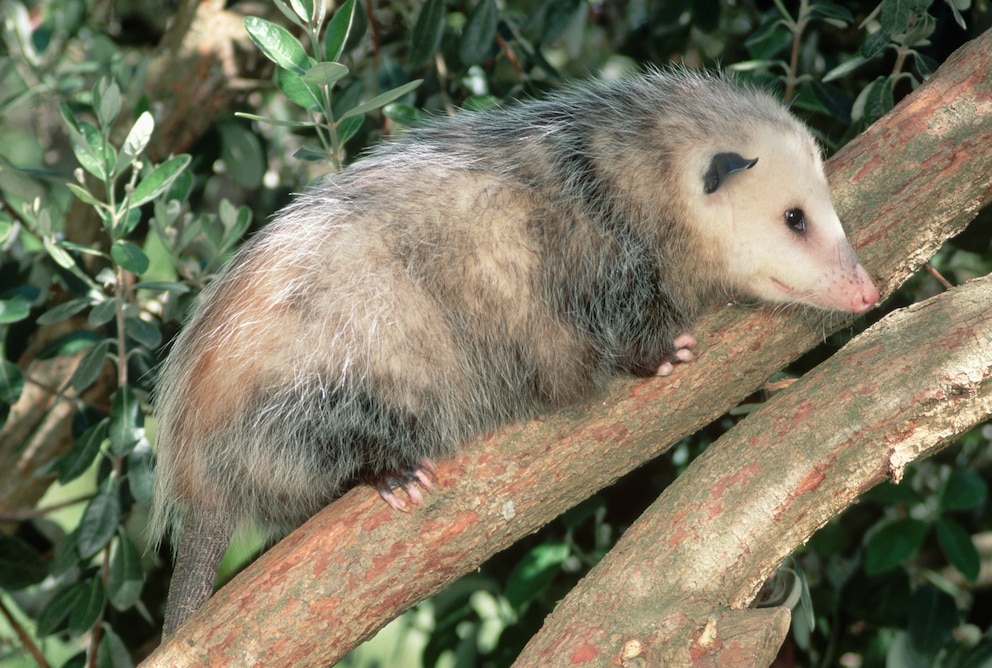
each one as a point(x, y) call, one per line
point(411, 481)
point(682, 354)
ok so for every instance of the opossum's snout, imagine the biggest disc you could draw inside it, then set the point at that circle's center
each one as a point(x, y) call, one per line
point(865, 294)
point(841, 283)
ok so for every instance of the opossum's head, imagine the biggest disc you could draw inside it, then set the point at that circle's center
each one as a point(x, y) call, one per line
point(766, 208)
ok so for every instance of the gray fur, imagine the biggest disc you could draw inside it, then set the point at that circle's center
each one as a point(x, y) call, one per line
point(491, 268)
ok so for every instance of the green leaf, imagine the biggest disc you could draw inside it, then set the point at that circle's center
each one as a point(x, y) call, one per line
point(144, 332)
point(20, 564)
point(102, 313)
point(893, 544)
point(292, 86)
point(427, 32)
point(11, 382)
point(125, 577)
point(349, 127)
point(844, 69)
point(107, 102)
point(113, 652)
point(59, 606)
point(873, 45)
point(129, 256)
point(88, 607)
point(57, 253)
point(83, 452)
point(289, 13)
point(768, 40)
point(831, 10)
point(141, 472)
point(65, 555)
point(70, 344)
point(100, 519)
point(303, 10)
point(14, 310)
point(963, 490)
point(874, 101)
point(136, 141)
point(380, 100)
point(895, 15)
point(919, 33)
point(535, 572)
point(63, 311)
point(88, 146)
point(90, 366)
point(126, 420)
point(479, 33)
point(958, 548)
point(345, 30)
point(235, 222)
point(325, 74)
point(311, 153)
point(402, 113)
point(925, 65)
point(242, 154)
point(83, 195)
point(163, 286)
point(278, 45)
point(79, 248)
point(159, 180)
point(276, 121)
point(560, 13)
point(932, 617)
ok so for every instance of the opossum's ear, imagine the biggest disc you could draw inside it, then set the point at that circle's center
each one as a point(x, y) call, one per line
point(722, 165)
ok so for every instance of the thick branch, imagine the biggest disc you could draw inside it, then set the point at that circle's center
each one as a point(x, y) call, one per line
point(357, 564)
point(897, 393)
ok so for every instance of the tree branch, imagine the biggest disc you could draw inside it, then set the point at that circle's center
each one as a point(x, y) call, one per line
point(899, 392)
point(357, 564)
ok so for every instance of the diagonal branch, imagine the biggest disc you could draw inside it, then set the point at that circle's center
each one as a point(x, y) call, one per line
point(897, 393)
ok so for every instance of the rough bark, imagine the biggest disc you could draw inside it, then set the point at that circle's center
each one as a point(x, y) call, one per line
point(903, 187)
point(900, 391)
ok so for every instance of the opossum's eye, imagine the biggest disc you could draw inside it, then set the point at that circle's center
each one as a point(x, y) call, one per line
point(796, 220)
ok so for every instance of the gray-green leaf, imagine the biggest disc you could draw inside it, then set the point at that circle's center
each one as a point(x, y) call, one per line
point(129, 256)
point(90, 366)
point(159, 180)
point(479, 33)
point(125, 578)
point(100, 519)
point(278, 44)
point(427, 33)
point(380, 100)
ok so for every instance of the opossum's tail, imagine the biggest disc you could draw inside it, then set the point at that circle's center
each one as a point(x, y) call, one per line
point(203, 543)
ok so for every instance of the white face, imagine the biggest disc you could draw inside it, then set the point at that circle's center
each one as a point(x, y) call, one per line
point(777, 227)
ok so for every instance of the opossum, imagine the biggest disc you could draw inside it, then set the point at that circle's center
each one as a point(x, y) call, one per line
point(488, 268)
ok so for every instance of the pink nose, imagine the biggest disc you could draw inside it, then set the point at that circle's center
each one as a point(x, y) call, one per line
point(865, 294)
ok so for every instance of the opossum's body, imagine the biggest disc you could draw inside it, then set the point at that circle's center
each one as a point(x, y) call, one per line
point(491, 268)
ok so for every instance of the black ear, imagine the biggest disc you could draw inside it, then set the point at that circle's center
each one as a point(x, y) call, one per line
point(722, 165)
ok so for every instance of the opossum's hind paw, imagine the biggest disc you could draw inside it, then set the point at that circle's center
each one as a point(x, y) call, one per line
point(411, 481)
point(682, 355)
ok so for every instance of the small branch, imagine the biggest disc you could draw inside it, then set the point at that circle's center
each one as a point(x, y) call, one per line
point(24, 637)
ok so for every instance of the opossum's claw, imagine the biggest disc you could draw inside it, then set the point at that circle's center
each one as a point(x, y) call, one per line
point(411, 481)
point(682, 354)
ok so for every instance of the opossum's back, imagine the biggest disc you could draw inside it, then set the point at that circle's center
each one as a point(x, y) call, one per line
point(410, 311)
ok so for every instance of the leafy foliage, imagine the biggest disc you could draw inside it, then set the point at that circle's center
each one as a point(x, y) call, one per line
point(107, 242)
